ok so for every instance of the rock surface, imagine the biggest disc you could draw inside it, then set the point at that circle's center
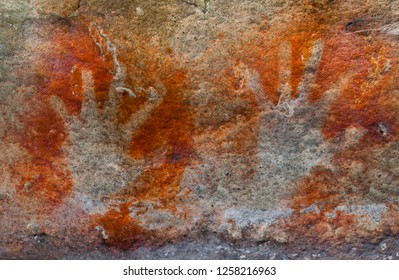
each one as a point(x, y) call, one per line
point(199, 129)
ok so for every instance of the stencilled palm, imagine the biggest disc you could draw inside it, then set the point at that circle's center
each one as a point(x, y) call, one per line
point(290, 140)
point(97, 148)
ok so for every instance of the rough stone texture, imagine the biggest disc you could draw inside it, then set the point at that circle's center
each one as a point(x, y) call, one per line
point(199, 129)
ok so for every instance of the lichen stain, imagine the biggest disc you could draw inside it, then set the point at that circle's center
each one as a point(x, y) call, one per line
point(43, 133)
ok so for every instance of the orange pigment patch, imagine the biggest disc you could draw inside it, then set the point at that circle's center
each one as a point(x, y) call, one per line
point(42, 186)
point(77, 84)
point(44, 178)
point(122, 232)
point(160, 185)
point(43, 134)
point(342, 54)
point(233, 97)
point(321, 188)
point(367, 102)
point(263, 52)
point(170, 126)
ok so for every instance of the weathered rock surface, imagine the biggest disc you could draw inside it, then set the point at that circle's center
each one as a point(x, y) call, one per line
point(199, 129)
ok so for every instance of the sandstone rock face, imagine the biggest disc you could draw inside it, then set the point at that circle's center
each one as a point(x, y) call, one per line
point(199, 129)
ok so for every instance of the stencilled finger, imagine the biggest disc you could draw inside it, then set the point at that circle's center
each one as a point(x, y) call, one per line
point(89, 104)
point(59, 107)
point(310, 70)
point(253, 83)
point(284, 89)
